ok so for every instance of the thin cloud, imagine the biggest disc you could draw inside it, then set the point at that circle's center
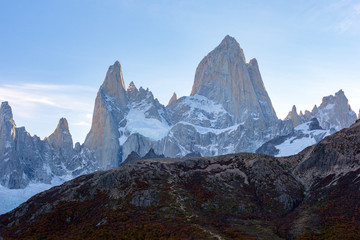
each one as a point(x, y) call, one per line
point(341, 16)
point(348, 15)
point(39, 107)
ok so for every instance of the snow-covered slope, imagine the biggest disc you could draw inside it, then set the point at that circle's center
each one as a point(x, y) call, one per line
point(303, 136)
point(12, 198)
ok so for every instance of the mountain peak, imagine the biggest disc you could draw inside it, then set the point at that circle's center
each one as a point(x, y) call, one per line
point(340, 93)
point(114, 81)
point(173, 99)
point(224, 77)
point(6, 111)
point(63, 125)
point(253, 62)
point(228, 40)
point(131, 87)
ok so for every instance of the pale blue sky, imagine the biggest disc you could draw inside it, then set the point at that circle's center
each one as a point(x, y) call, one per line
point(54, 54)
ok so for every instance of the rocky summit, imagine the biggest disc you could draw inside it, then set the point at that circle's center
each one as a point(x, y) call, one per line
point(225, 77)
point(311, 195)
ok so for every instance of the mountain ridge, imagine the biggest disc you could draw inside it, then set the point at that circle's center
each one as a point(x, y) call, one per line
point(127, 120)
point(243, 195)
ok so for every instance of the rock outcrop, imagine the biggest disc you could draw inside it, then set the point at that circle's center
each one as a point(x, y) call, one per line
point(335, 154)
point(294, 117)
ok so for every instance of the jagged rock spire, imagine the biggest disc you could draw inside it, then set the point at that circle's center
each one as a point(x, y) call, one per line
point(6, 112)
point(110, 107)
point(114, 81)
point(63, 125)
point(131, 87)
point(173, 99)
point(294, 117)
point(113, 86)
point(7, 123)
point(61, 139)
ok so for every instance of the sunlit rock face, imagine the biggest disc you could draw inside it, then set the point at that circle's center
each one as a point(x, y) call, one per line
point(224, 77)
point(334, 113)
point(110, 107)
point(173, 99)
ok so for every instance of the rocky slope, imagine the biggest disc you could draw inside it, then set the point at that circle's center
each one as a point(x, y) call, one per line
point(311, 195)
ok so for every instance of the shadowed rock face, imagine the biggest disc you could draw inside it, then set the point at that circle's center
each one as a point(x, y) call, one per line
point(335, 154)
point(230, 196)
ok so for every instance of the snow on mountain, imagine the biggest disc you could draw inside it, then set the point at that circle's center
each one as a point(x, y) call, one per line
point(206, 122)
point(228, 111)
point(12, 198)
point(303, 136)
point(201, 111)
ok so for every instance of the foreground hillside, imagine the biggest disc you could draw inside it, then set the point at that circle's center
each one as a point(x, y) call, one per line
point(311, 195)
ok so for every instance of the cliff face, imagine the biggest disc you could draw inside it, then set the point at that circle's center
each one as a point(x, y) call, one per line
point(110, 107)
point(224, 77)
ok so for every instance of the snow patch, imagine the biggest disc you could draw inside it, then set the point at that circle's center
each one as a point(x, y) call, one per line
point(205, 130)
point(148, 127)
point(296, 144)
